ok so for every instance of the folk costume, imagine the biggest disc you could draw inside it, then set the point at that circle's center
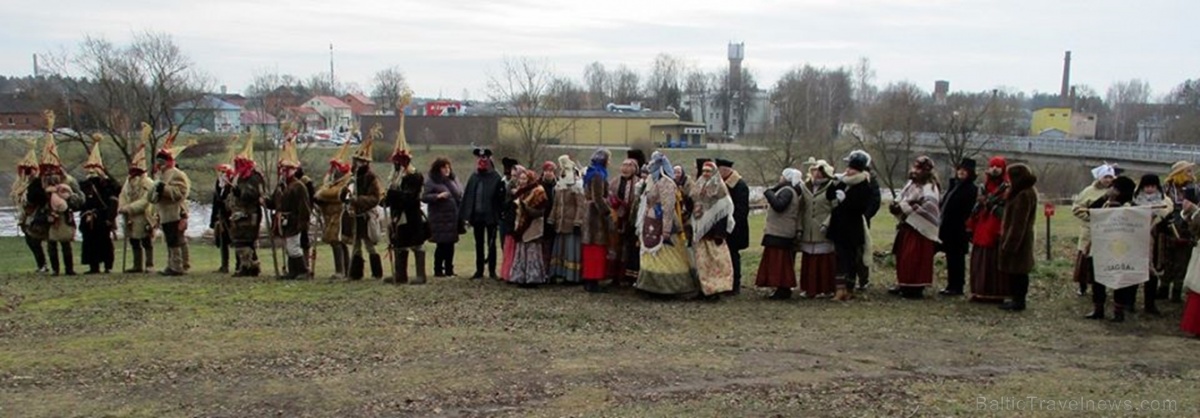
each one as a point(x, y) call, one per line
point(568, 214)
point(1121, 194)
point(739, 239)
point(712, 222)
point(917, 209)
point(1097, 191)
point(597, 229)
point(528, 264)
point(138, 214)
point(785, 223)
point(98, 216)
point(290, 203)
point(956, 207)
point(1175, 238)
point(987, 283)
point(664, 266)
point(408, 228)
point(1149, 194)
point(623, 195)
point(59, 196)
point(848, 227)
point(818, 263)
point(170, 195)
point(1016, 241)
point(361, 220)
point(27, 174)
point(328, 199)
point(245, 209)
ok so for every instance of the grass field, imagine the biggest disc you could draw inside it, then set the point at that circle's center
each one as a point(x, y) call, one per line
point(209, 345)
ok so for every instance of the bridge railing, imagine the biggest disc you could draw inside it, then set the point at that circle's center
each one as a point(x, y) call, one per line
point(1104, 150)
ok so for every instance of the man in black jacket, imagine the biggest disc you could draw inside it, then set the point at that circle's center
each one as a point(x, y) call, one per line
point(483, 199)
point(740, 238)
point(957, 205)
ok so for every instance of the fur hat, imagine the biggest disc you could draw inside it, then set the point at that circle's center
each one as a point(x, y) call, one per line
point(967, 164)
point(860, 155)
point(1125, 189)
point(721, 162)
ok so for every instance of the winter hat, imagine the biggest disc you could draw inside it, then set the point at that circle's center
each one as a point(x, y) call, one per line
point(1149, 180)
point(1125, 189)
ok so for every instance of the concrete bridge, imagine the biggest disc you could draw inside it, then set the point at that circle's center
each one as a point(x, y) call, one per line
point(1152, 158)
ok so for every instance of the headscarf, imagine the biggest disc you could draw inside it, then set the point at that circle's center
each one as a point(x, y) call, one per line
point(1104, 170)
point(793, 176)
point(711, 197)
point(598, 166)
point(660, 166)
point(568, 172)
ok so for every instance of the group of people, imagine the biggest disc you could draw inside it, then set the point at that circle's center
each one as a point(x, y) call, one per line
point(650, 225)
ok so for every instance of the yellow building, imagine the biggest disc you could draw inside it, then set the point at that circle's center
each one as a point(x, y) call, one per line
point(598, 127)
point(1063, 123)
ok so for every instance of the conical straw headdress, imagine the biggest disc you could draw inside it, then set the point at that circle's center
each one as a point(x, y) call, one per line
point(363, 152)
point(50, 150)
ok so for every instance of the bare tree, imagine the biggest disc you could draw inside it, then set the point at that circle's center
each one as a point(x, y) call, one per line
point(736, 101)
point(700, 87)
point(1127, 100)
point(524, 88)
point(1184, 100)
point(810, 105)
point(598, 84)
point(961, 121)
point(624, 84)
point(566, 94)
point(864, 78)
point(112, 89)
point(322, 84)
point(663, 86)
point(388, 87)
point(889, 130)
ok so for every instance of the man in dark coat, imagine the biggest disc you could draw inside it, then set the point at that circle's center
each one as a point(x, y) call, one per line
point(1016, 240)
point(291, 205)
point(847, 228)
point(483, 199)
point(957, 205)
point(219, 220)
point(740, 238)
point(863, 159)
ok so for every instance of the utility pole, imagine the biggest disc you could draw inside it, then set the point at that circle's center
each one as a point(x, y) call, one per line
point(332, 84)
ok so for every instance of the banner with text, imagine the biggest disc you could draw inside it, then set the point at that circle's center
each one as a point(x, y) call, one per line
point(1121, 246)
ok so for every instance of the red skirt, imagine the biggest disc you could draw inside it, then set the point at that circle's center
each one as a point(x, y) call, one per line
point(510, 251)
point(777, 268)
point(1191, 314)
point(914, 258)
point(817, 273)
point(595, 259)
point(1083, 269)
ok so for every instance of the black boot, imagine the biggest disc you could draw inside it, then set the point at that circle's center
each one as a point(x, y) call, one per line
point(419, 264)
point(52, 254)
point(1177, 292)
point(1020, 288)
point(399, 269)
point(781, 293)
point(68, 259)
point(224, 260)
point(1118, 315)
point(1097, 312)
point(1082, 289)
point(376, 266)
point(1150, 293)
point(296, 269)
point(137, 259)
point(339, 262)
point(591, 286)
point(356, 267)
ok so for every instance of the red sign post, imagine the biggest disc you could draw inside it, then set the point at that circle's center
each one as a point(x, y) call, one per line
point(1048, 210)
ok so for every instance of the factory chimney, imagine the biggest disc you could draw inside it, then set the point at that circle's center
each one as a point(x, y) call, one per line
point(1064, 95)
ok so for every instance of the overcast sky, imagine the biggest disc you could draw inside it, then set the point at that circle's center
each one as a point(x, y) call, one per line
point(448, 47)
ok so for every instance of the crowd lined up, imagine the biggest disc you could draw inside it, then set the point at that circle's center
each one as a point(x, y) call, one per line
point(650, 224)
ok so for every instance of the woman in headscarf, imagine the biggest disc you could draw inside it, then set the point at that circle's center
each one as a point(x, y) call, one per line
point(684, 185)
point(818, 262)
point(917, 209)
point(528, 268)
point(987, 283)
point(665, 267)
point(712, 221)
point(778, 266)
point(567, 217)
point(1095, 192)
point(597, 226)
point(1120, 194)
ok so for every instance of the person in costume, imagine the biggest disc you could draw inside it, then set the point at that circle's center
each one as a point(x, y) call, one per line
point(365, 194)
point(444, 196)
point(818, 261)
point(248, 188)
point(170, 195)
point(409, 229)
point(531, 204)
point(137, 212)
point(684, 184)
point(987, 283)
point(508, 218)
point(292, 211)
point(27, 174)
point(863, 270)
point(739, 239)
point(917, 210)
point(1120, 194)
point(622, 198)
point(62, 197)
point(482, 203)
point(1015, 258)
point(98, 216)
point(1097, 191)
point(549, 182)
point(1149, 193)
point(218, 221)
point(777, 269)
point(1176, 240)
point(328, 199)
point(855, 196)
point(712, 222)
point(957, 205)
point(665, 266)
point(597, 228)
point(1190, 322)
point(568, 214)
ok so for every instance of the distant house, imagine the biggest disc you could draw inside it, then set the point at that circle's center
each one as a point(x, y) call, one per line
point(360, 104)
point(234, 99)
point(259, 120)
point(307, 117)
point(1062, 122)
point(337, 114)
point(208, 114)
point(19, 113)
point(283, 97)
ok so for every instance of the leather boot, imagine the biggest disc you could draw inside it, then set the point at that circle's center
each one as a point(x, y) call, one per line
point(137, 259)
point(399, 268)
point(356, 267)
point(1151, 307)
point(224, 259)
point(296, 269)
point(1097, 311)
point(68, 259)
point(419, 258)
point(149, 250)
point(376, 266)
